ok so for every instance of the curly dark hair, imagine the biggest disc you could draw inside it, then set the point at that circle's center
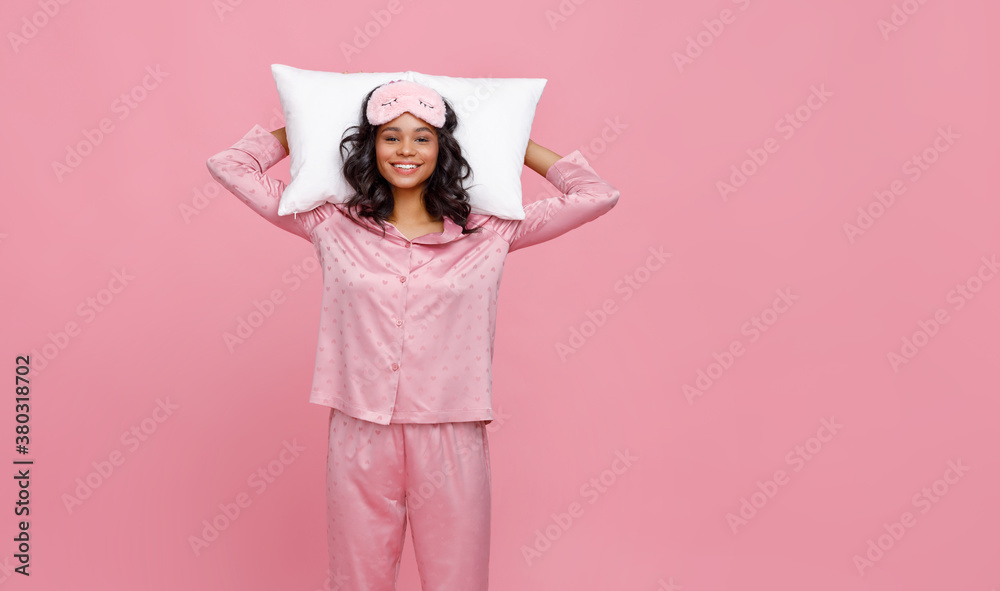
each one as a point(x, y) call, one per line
point(444, 193)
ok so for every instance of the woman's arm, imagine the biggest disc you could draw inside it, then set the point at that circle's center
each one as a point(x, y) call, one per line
point(242, 170)
point(539, 158)
point(585, 197)
point(280, 134)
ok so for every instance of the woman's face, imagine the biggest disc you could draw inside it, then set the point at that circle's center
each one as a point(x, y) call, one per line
point(406, 139)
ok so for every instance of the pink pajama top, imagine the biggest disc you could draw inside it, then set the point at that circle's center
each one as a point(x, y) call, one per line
point(407, 326)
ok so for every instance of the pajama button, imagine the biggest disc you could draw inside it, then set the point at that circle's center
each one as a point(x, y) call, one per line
point(402, 279)
point(407, 245)
point(395, 366)
point(399, 323)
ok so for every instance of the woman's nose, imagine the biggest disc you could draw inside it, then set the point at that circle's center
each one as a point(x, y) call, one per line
point(406, 147)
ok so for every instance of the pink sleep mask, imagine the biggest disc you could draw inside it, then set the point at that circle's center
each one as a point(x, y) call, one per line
point(394, 98)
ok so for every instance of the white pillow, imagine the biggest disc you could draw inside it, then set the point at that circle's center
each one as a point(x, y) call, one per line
point(494, 124)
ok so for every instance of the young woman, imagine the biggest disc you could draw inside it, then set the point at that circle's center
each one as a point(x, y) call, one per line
point(404, 358)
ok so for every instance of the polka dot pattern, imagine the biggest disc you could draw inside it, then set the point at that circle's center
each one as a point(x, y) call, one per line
point(407, 326)
point(434, 476)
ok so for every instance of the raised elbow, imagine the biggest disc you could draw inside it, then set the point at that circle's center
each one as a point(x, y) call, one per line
point(611, 199)
point(212, 163)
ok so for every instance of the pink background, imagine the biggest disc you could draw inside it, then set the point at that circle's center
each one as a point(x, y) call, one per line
point(662, 523)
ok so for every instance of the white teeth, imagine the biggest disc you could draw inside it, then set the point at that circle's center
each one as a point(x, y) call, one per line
point(407, 166)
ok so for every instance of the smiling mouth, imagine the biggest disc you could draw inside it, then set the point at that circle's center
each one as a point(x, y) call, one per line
point(406, 170)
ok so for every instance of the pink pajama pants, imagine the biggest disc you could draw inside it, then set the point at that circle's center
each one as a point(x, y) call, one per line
point(436, 475)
